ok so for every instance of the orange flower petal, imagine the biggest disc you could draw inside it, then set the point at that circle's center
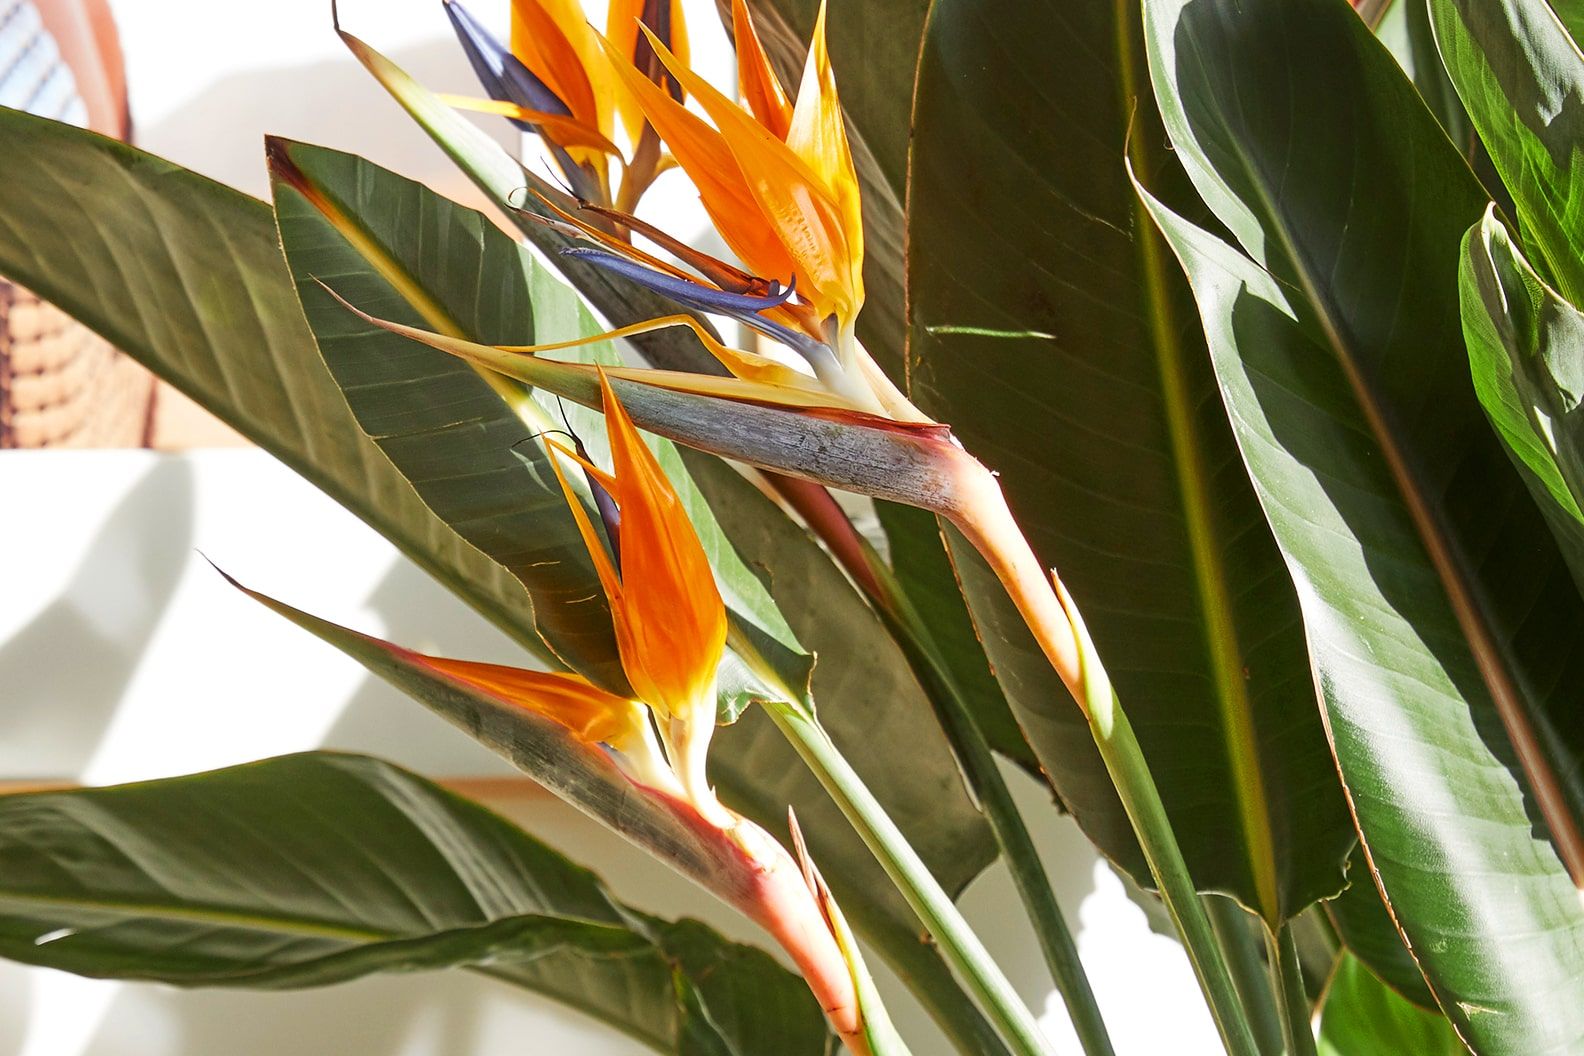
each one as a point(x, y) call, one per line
point(818, 135)
point(809, 221)
point(594, 715)
point(621, 29)
point(540, 37)
point(609, 579)
point(755, 78)
point(674, 618)
point(708, 161)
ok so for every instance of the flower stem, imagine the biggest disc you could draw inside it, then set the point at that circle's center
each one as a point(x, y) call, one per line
point(969, 744)
point(1240, 944)
point(1028, 874)
point(1287, 980)
point(958, 943)
point(980, 511)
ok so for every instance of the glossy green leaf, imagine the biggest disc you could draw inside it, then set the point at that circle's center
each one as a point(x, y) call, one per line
point(399, 249)
point(1521, 77)
point(1405, 30)
point(1572, 17)
point(1362, 1016)
point(318, 868)
point(1343, 284)
point(1526, 350)
point(1369, 933)
point(186, 276)
point(401, 256)
point(1052, 332)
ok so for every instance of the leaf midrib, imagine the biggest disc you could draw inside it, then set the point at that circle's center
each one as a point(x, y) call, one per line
point(302, 927)
point(196, 913)
point(1221, 639)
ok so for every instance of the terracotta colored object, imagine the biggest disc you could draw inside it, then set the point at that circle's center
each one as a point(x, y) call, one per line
point(60, 384)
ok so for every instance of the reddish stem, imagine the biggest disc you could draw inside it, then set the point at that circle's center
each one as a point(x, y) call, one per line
point(828, 521)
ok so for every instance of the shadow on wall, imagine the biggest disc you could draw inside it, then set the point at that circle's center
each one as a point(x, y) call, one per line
point(66, 671)
point(334, 103)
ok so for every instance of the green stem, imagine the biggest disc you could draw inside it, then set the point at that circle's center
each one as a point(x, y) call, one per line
point(918, 963)
point(1287, 980)
point(1318, 947)
point(1240, 944)
point(966, 735)
point(1124, 760)
point(960, 946)
point(989, 787)
point(979, 510)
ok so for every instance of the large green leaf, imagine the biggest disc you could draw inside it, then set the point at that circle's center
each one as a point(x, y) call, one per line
point(1049, 329)
point(1423, 754)
point(392, 246)
point(1479, 891)
point(1572, 16)
point(1521, 77)
point(318, 868)
point(460, 444)
point(1526, 350)
point(1362, 1016)
point(1406, 32)
point(1367, 930)
point(186, 276)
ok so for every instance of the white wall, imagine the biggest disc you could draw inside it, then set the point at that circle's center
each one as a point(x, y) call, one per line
point(114, 632)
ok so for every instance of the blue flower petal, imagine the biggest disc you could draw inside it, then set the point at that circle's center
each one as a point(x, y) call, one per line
point(683, 291)
point(502, 74)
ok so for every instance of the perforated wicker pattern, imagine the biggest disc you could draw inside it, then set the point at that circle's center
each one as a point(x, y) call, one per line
point(61, 385)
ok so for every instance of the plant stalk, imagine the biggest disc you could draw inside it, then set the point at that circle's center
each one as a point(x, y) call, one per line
point(1235, 928)
point(980, 511)
point(1034, 888)
point(964, 732)
point(1287, 981)
point(960, 946)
